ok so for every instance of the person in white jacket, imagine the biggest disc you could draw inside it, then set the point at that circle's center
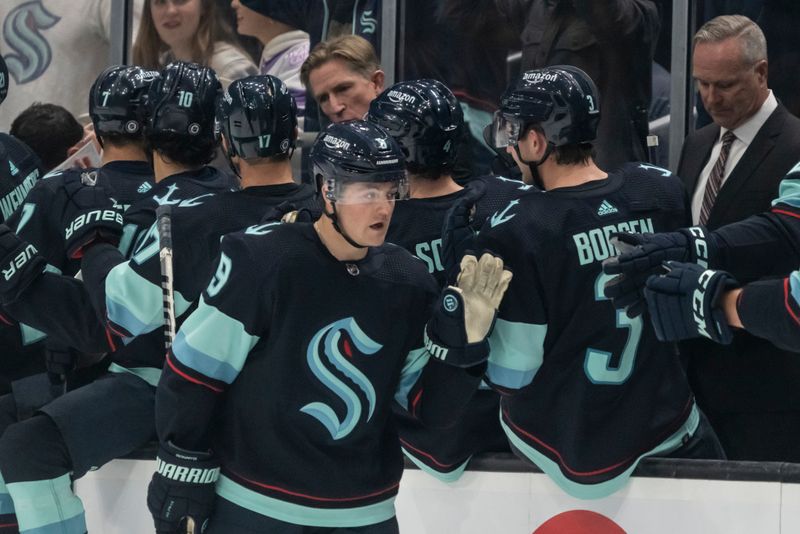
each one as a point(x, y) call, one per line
point(285, 47)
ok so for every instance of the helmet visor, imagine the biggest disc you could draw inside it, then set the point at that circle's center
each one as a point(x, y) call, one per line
point(348, 191)
point(504, 130)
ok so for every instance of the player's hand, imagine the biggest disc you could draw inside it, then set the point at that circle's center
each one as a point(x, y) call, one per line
point(287, 212)
point(686, 302)
point(458, 235)
point(90, 217)
point(182, 487)
point(20, 265)
point(643, 255)
point(457, 331)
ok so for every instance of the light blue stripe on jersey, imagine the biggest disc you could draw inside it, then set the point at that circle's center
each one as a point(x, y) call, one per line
point(794, 286)
point(445, 476)
point(213, 343)
point(136, 304)
point(412, 369)
point(517, 350)
point(47, 507)
point(789, 190)
point(6, 504)
point(305, 515)
point(151, 375)
point(603, 489)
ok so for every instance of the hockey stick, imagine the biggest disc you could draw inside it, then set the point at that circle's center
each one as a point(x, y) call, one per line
point(164, 225)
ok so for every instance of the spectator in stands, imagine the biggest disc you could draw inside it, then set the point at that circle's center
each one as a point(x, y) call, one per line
point(285, 47)
point(54, 51)
point(50, 131)
point(343, 75)
point(190, 30)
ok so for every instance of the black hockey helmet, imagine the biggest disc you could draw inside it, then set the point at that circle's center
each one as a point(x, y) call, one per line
point(425, 118)
point(3, 79)
point(258, 117)
point(357, 151)
point(117, 100)
point(19, 169)
point(561, 99)
point(182, 102)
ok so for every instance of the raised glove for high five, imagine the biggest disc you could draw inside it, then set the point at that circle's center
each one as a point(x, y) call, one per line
point(643, 255)
point(460, 325)
point(458, 236)
point(685, 303)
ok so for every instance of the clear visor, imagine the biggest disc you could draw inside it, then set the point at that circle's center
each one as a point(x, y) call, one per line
point(504, 130)
point(352, 192)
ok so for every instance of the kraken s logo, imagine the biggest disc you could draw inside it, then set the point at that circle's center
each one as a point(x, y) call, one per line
point(368, 22)
point(22, 31)
point(335, 343)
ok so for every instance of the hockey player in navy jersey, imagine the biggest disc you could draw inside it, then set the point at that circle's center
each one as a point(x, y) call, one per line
point(116, 106)
point(22, 350)
point(40, 456)
point(280, 382)
point(711, 280)
point(587, 392)
point(426, 120)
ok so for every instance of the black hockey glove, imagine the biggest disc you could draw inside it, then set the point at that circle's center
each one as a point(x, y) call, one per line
point(458, 235)
point(20, 262)
point(181, 488)
point(643, 255)
point(684, 302)
point(90, 217)
point(457, 331)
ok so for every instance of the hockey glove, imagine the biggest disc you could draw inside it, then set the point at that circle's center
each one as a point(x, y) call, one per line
point(182, 487)
point(458, 329)
point(20, 262)
point(90, 217)
point(458, 235)
point(642, 255)
point(685, 302)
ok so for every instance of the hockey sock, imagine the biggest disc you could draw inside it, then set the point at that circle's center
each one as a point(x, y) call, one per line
point(8, 520)
point(48, 505)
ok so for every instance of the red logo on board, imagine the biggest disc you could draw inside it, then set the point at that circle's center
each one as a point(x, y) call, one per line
point(579, 522)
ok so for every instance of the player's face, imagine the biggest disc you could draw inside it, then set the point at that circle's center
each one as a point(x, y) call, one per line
point(343, 94)
point(732, 90)
point(176, 21)
point(364, 211)
point(248, 22)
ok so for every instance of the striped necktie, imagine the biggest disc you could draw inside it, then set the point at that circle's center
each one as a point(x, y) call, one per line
point(715, 178)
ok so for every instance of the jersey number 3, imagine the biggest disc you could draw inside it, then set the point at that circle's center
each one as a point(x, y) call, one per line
point(598, 366)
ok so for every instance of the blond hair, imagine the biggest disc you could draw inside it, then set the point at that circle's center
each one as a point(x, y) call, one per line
point(354, 50)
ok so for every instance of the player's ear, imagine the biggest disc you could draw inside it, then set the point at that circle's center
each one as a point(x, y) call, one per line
point(378, 78)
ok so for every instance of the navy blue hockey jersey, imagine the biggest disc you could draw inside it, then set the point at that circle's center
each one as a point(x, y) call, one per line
point(417, 222)
point(587, 391)
point(310, 352)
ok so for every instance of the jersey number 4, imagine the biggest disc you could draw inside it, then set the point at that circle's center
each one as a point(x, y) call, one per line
point(598, 366)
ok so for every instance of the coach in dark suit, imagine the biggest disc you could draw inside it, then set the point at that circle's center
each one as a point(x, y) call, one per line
point(750, 390)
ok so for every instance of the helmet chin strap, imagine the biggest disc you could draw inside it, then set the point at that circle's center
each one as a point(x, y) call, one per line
point(534, 165)
point(335, 220)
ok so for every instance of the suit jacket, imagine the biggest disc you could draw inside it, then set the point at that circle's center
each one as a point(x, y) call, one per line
point(751, 374)
point(753, 183)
